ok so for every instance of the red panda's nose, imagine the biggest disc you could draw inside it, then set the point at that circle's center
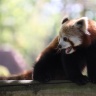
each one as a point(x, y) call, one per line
point(59, 46)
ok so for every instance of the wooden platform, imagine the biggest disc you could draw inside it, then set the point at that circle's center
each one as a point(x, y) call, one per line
point(53, 88)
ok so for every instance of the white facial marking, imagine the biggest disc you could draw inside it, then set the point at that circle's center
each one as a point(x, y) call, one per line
point(64, 44)
point(76, 40)
point(67, 46)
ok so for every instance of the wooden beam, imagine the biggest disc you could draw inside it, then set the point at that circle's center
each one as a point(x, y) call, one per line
point(53, 88)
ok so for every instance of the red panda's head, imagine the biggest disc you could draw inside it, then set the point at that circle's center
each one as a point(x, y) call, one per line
point(72, 33)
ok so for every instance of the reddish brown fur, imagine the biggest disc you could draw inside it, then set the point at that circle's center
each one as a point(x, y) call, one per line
point(92, 30)
point(52, 45)
point(23, 76)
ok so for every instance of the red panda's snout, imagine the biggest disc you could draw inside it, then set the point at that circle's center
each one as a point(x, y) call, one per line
point(67, 46)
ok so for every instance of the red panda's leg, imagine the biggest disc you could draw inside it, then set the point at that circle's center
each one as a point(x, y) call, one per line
point(71, 64)
point(48, 63)
point(91, 63)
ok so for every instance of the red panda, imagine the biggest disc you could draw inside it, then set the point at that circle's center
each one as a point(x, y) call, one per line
point(66, 56)
point(77, 42)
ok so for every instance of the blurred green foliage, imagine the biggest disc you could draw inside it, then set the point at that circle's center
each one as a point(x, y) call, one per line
point(29, 25)
point(25, 25)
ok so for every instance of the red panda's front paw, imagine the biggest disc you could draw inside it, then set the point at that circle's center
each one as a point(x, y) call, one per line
point(43, 78)
point(93, 80)
point(82, 80)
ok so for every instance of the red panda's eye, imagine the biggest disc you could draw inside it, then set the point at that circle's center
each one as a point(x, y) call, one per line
point(65, 38)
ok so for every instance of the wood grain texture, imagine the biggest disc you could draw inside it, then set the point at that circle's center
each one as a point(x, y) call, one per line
point(53, 88)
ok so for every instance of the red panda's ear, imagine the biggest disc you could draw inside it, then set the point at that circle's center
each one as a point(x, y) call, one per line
point(65, 20)
point(82, 24)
